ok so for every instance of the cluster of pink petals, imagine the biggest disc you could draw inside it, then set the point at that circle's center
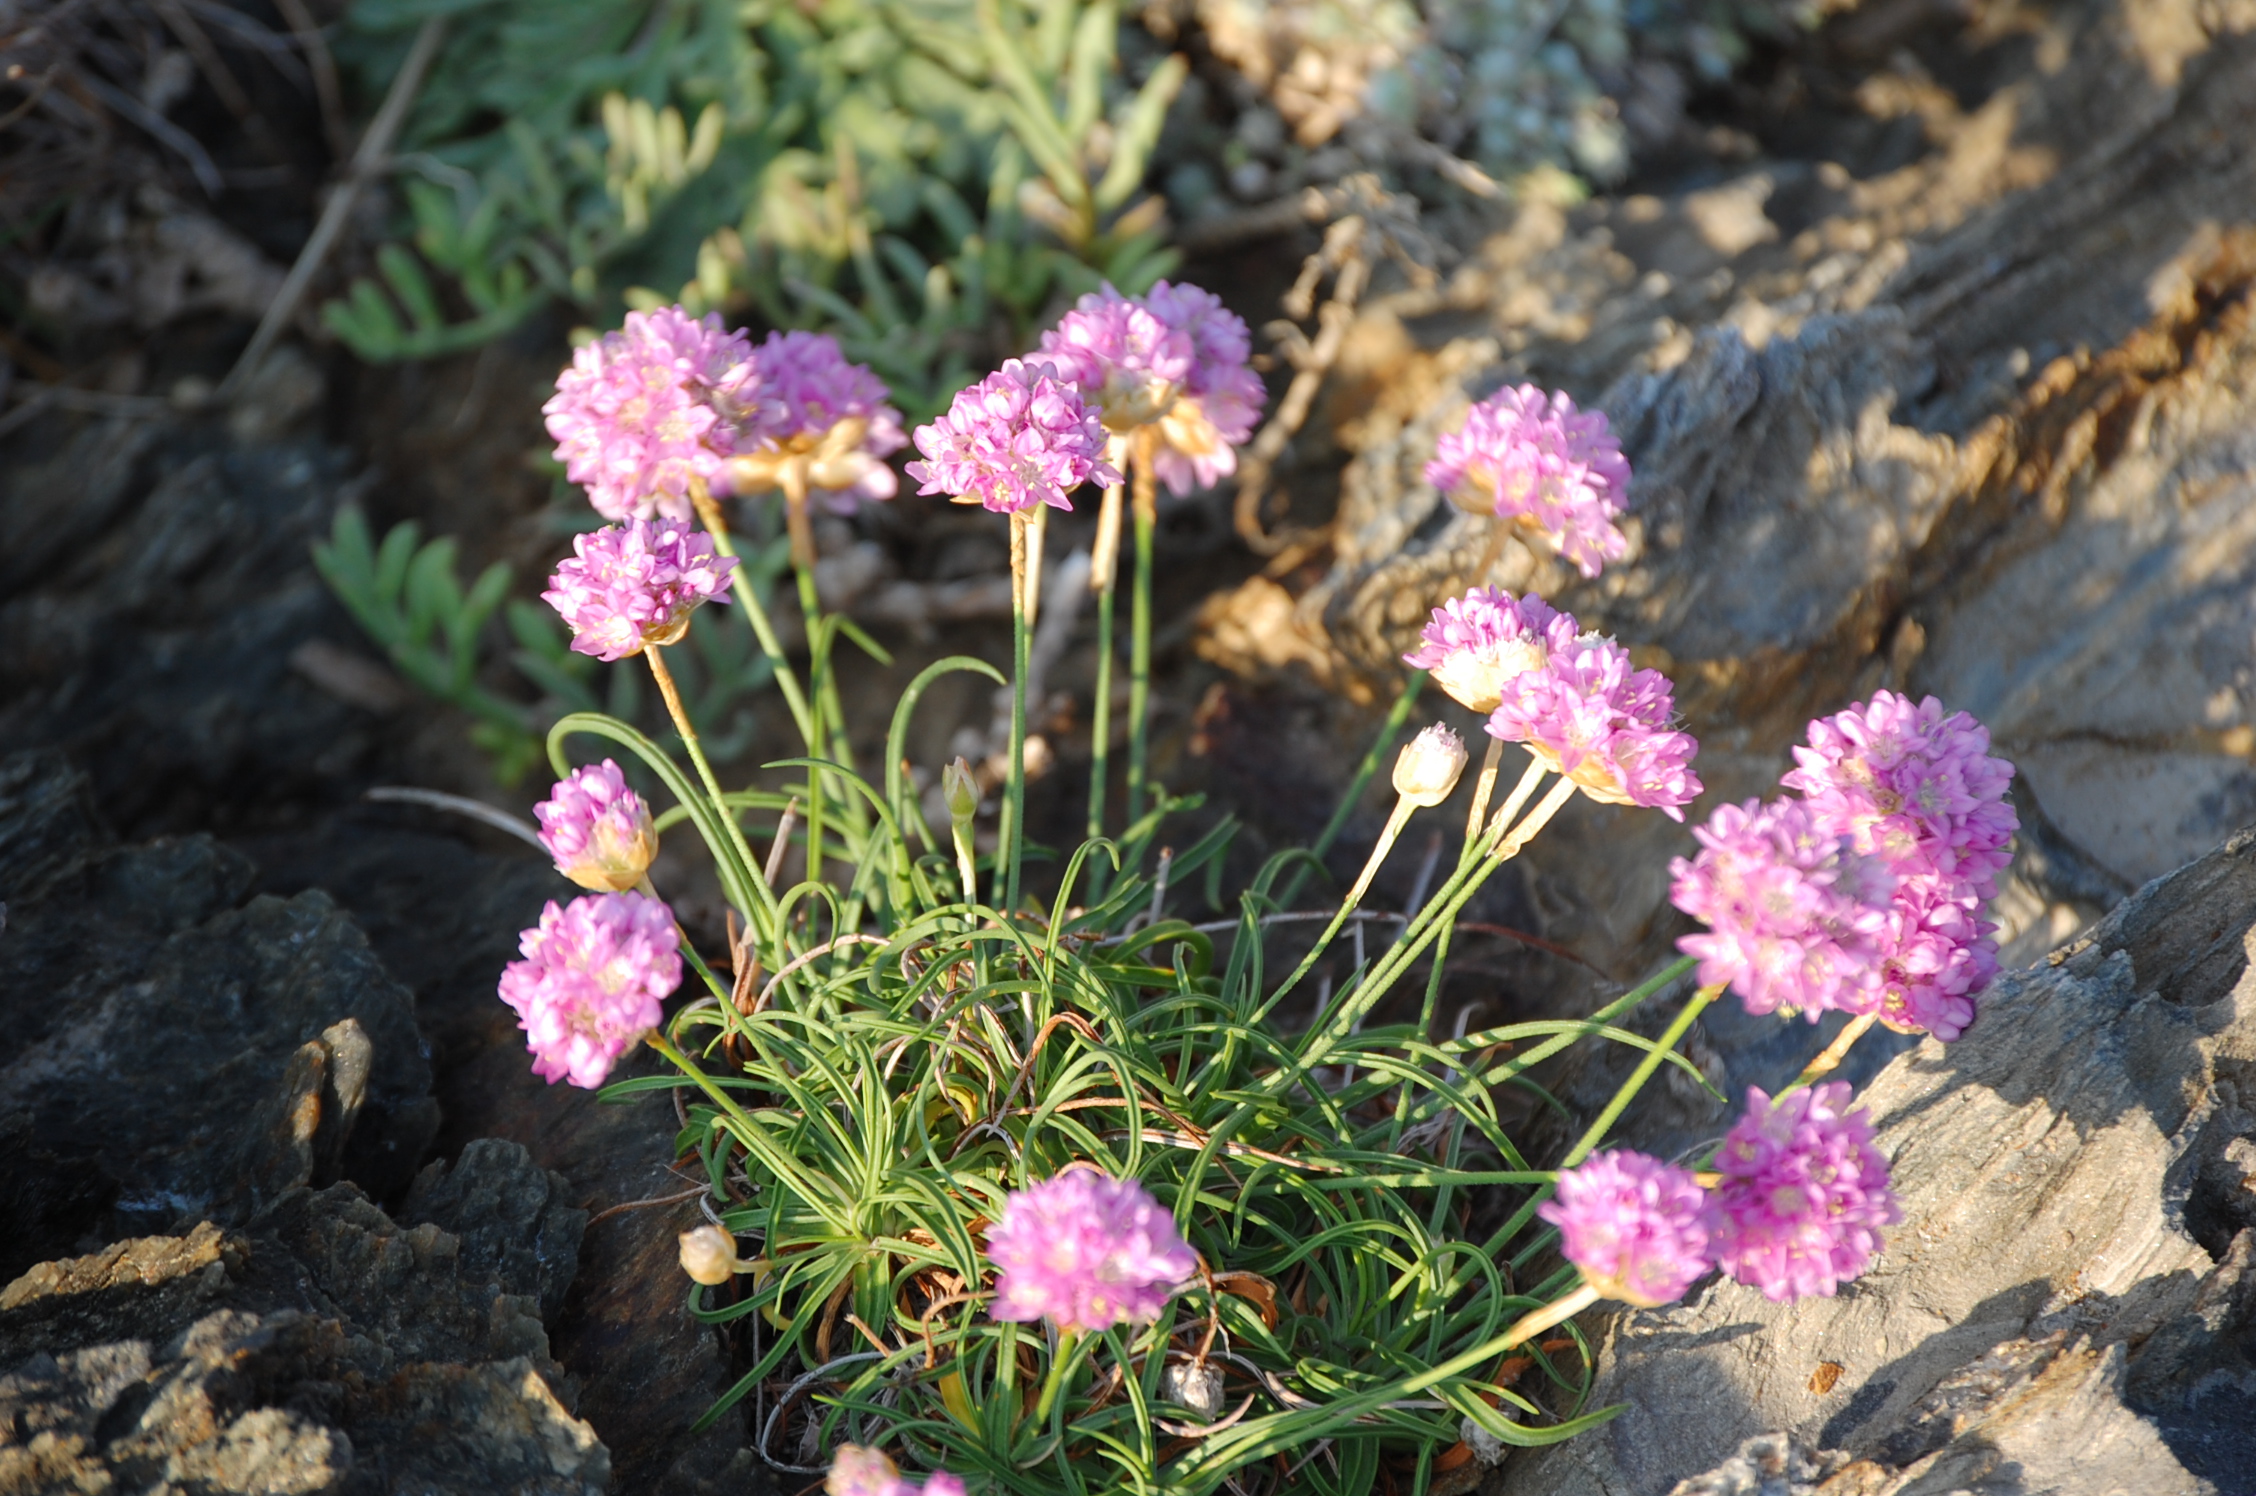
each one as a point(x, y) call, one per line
point(643, 411)
point(631, 585)
point(1523, 454)
point(1797, 918)
point(1476, 645)
point(592, 977)
point(1637, 1227)
point(1602, 723)
point(1940, 954)
point(812, 400)
point(859, 1471)
point(1222, 395)
point(1020, 437)
point(1803, 1196)
point(1914, 786)
point(598, 830)
point(1126, 362)
point(1086, 1251)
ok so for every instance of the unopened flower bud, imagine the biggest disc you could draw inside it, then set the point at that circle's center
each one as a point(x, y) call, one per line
point(1196, 1386)
point(1427, 768)
point(708, 1254)
point(961, 791)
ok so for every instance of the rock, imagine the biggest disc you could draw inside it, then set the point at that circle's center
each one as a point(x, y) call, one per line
point(323, 1349)
point(2067, 1303)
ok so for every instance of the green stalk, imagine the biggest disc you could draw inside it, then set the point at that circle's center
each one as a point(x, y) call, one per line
point(1365, 771)
point(1146, 509)
point(1054, 1383)
point(682, 725)
point(1014, 809)
point(1100, 723)
point(748, 598)
point(1654, 1058)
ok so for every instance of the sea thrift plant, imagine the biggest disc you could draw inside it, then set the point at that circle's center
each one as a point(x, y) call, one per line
point(1798, 919)
point(645, 411)
point(1086, 1253)
point(1804, 1194)
point(1258, 1158)
point(1915, 786)
point(1022, 436)
point(1526, 455)
point(598, 830)
point(593, 975)
point(626, 587)
point(1637, 1227)
point(1475, 646)
point(1603, 724)
point(820, 423)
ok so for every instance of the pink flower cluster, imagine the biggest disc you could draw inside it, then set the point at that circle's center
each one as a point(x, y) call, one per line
point(1128, 364)
point(643, 411)
point(1020, 437)
point(1475, 646)
point(598, 830)
point(1912, 794)
point(1804, 1194)
point(1523, 454)
point(1574, 699)
point(859, 1471)
point(1222, 395)
point(1087, 1252)
point(1637, 1227)
point(633, 585)
point(592, 977)
point(1797, 917)
point(1602, 723)
point(813, 403)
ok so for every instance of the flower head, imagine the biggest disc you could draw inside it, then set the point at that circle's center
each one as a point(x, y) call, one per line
point(1127, 363)
point(1804, 1194)
point(824, 415)
point(1221, 397)
point(598, 830)
point(1526, 455)
point(1601, 723)
point(1020, 437)
point(708, 1255)
point(1636, 1227)
point(859, 1471)
point(1797, 918)
point(1476, 644)
point(1914, 786)
point(1086, 1251)
point(1939, 955)
point(593, 976)
point(643, 411)
point(631, 585)
point(1427, 768)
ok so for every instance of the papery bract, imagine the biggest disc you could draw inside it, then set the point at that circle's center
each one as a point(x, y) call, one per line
point(1020, 437)
point(1804, 1194)
point(1603, 724)
point(1476, 644)
point(598, 830)
point(1637, 1227)
point(593, 975)
point(824, 413)
point(1222, 396)
point(642, 412)
point(1523, 454)
point(1797, 918)
point(1427, 768)
point(1914, 785)
point(629, 586)
point(1087, 1252)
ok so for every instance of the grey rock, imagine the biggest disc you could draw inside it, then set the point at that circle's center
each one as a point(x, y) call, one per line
point(510, 1215)
point(2067, 1305)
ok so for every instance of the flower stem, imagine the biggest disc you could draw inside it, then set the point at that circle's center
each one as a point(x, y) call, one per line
point(1054, 1383)
point(1146, 487)
point(967, 866)
point(1365, 772)
point(1833, 1054)
point(1536, 1321)
point(1396, 820)
point(748, 597)
point(1655, 1057)
point(674, 709)
point(1014, 809)
point(1037, 531)
point(1483, 787)
point(1537, 819)
point(1100, 715)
